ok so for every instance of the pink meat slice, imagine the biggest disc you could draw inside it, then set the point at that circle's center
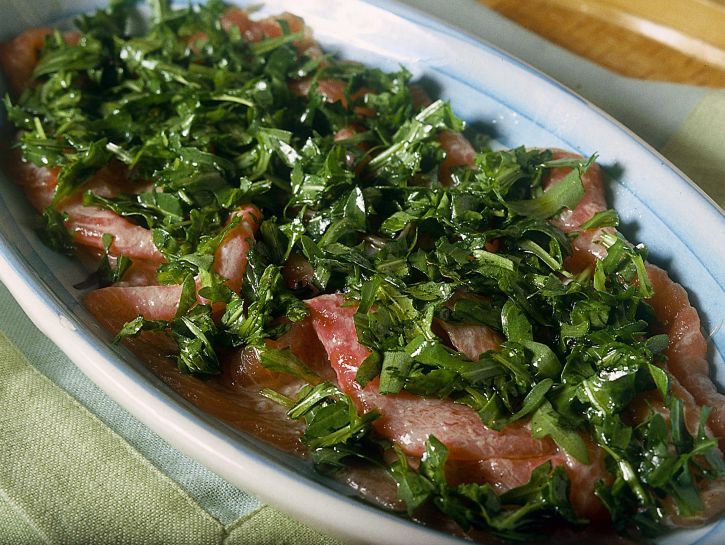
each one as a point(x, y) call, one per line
point(332, 90)
point(687, 351)
point(88, 224)
point(406, 419)
point(126, 303)
point(269, 27)
point(242, 367)
point(585, 248)
point(712, 492)
point(470, 339)
point(161, 302)
point(504, 458)
point(233, 396)
point(459, 153)
point(18, 57)
point(507, 473)
point(230, 258)
point(38, 183)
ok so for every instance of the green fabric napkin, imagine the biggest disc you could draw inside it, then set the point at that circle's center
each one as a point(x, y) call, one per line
point(698, 147)
point(67, 477)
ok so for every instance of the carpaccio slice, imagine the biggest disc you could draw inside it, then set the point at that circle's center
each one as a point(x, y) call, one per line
point(687, 348)
point(585, 247)
point(232, 396)
point(406, 418)
point(88, 224)
point(230, 258)
point(18, 57)
point(508, 456)
point(471, 340)
point(459, 153)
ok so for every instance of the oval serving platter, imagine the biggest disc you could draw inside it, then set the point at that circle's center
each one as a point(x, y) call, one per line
point(515, 104)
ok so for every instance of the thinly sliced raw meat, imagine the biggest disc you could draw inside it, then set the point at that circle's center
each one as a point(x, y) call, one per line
point(407, 419)
point(348, 131)
point(242, 367)
point(470, 339)
point(114, 306)
point(506, 457)
point(88, 224)
point(506, 473)
point(712, 494)
point(269, 27)
point(687, 350)
point(230, 258)
point(19, 56)
point(113, 179)
point(236, 402)
point(459, 153)
point(585, 248)
point(332, 90)
point(127, 299)
point(646, 402)
point(38, 183)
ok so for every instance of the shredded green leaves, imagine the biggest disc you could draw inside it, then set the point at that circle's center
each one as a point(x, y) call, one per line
point(518, 514)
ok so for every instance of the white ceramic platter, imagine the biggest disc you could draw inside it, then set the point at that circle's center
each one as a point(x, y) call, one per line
point(682, 227)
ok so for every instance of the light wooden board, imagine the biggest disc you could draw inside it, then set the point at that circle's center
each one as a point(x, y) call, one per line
point(674, 40)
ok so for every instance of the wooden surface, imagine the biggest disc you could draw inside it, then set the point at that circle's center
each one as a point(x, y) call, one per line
point(680, 41)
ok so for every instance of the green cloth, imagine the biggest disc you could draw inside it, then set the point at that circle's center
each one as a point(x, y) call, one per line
point(698, 147)
point(66, 477)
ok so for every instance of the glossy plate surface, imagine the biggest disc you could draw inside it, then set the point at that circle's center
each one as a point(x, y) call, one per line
point(515, 104)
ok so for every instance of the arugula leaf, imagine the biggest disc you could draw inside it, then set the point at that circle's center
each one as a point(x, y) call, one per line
point(284, 360)
point(511, 515)
point(51, 226)
point(105, 273)
point(331, 417)
point(564, 194)
point(546, 421)
point(80, 167)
